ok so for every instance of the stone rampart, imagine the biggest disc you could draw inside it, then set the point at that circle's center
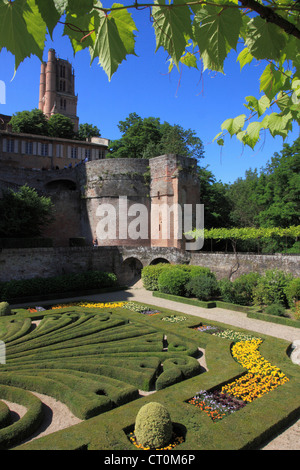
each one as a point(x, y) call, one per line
point(229, 265)
point(126, 261)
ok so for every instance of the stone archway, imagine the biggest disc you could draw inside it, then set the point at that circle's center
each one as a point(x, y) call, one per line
point(159, 260)
point(131, 270)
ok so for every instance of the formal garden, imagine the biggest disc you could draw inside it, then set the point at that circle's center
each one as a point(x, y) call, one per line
point(103, 359)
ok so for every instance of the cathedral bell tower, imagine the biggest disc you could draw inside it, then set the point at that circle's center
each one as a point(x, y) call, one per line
point(57, 88)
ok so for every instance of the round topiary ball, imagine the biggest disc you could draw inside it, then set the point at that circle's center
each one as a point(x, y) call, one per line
point(4, 309)
point(153, 426)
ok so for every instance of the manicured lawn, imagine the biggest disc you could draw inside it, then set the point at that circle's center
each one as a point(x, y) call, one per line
point(95, 358)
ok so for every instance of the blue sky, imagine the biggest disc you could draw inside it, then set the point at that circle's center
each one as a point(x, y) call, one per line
point(196, 100)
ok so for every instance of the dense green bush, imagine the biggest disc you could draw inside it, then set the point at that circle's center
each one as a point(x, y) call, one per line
point(173, 281)
point(271, 288)
point(292, 292)
point(276, 309)
point(203, 287)
point(193, 270)
point(153, 426)
point(68, 282)
point(226, 290)
point(4, 309)
point(240, 291)
point(151, 273)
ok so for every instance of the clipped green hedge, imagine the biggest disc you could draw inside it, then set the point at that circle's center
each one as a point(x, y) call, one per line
point(151, 273)
point(24, 427)
point(173, 281)
point(177, 369)
point(178, 298)
point(15, 289)
point(5, 416)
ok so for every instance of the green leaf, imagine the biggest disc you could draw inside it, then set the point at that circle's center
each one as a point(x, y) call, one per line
point(245, 57)
point(264, 39)
point(189, 60)
point(22, 29)
point(259, 106)
point(216, 31)
point(279, 124)
point(79, 33)
point(107, 43)
point(234, 125)
point(252, 134)
point(125, 26)
point(172, 28)
point(272, 81)
point(51, 11)
point(80, 7)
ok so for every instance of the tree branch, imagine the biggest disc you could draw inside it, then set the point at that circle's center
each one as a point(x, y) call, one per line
point(269, 14)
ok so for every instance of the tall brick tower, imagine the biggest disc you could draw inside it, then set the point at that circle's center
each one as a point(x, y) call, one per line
point(174, 183)
point(57, 88)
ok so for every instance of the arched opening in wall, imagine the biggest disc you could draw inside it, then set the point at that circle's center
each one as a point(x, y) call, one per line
point(159, 260)
point(131, 271)
point(61, 185)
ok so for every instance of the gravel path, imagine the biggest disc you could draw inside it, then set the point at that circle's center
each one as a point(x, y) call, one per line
point(60, 417)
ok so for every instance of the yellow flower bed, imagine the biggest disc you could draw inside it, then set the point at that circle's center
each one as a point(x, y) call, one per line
point(91, 305)
point(262, 376)
point(175, 442)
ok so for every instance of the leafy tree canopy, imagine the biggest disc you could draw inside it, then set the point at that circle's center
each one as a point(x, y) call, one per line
point(189, 32)
point(147, 138)
point(60, 126)
point(271, 198)
point(86, 131)
point(24, 213)
point(30, 122)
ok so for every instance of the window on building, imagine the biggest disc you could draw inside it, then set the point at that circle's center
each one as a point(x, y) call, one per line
point(10, 145)
point(62, 71)
point(73, 152)
point(87, 154)
point(62, 104)
point(28, 148)
point(44, 150)
point(62, 85)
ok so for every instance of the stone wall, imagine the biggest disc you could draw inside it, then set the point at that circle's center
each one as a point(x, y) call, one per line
point(27, 263)
point(125, 262)
point(223, 264)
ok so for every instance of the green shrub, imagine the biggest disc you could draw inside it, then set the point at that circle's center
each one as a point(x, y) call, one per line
point(271, 288)
point(173, 281)
point(4, 309)
point(203, 287)
point(292, 292)
point(226, 290)
point(151, 273)
point(68, 282)
point(275, 309)
point(243, 288)
point(169, 377)
point(240, 291)
point(153, 426)
point(196, 270)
